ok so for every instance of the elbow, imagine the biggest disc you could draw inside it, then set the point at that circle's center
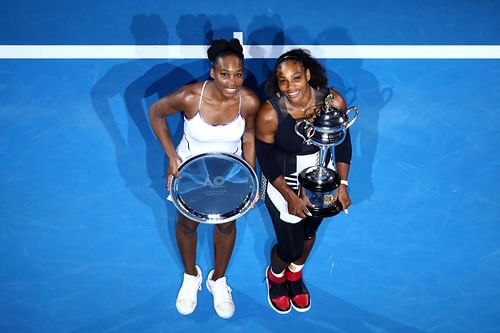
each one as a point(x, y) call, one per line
point(154, 113)
point(151, 111)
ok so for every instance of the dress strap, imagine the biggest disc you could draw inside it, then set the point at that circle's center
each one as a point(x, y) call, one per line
point(275, 102)
point(201, 95)
point(239, 107)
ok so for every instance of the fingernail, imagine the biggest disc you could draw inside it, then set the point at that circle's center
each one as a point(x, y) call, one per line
point(346, 211)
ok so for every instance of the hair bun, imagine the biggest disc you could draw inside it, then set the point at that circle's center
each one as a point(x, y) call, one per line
point(219, 46)
point(234, 44)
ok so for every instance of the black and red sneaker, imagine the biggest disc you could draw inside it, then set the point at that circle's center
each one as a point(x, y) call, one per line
point(277, 292)
point(297, 290)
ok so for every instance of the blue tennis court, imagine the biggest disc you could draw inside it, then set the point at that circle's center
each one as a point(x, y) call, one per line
point(87, 239)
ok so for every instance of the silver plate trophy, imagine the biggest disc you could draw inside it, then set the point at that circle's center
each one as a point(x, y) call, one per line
point(214, 188)
point(319, 183)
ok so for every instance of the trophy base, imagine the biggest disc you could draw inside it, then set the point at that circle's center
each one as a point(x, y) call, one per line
point(326, 211)
point(319, 185)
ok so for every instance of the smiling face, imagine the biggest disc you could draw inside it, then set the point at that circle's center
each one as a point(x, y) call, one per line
point(293, 81)
point(227, 74)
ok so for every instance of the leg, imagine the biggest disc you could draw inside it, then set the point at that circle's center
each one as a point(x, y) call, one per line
point(308, 245)
point(290, 243)
point(186, 233)
point(224, 239)
point(289, 237)
point(298, 292)
point(311, 225)
point(277, 264)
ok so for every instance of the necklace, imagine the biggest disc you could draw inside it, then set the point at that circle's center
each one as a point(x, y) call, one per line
point(305, 108)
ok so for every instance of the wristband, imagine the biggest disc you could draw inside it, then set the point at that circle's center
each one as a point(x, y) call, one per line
point(344, 182)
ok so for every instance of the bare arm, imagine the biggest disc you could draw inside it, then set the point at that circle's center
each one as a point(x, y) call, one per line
point(342, 167)
point(343, 194)
point(251, 105)
point(180, 100)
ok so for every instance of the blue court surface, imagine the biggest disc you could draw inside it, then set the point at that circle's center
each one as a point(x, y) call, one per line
point(87, 238)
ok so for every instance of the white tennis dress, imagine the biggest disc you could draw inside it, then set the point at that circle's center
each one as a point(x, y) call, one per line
point(201, 137)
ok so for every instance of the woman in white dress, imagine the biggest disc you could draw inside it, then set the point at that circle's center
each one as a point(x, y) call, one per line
point(219, 116)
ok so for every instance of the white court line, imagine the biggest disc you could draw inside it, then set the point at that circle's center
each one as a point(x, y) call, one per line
point(383, 51)
point(251, 51)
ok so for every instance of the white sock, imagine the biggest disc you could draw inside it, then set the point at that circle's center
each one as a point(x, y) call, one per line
point(279, 274)
point(294, 268)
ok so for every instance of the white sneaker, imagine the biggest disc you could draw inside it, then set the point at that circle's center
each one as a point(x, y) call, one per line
point(187, 298)
point(223, 301)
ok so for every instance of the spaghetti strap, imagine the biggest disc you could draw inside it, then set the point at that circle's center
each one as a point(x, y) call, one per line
point(201, 95)
point(239, 107)
point(200, 114)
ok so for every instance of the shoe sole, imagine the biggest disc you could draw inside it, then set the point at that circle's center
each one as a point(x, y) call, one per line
point(271, 303)
point(184, 313)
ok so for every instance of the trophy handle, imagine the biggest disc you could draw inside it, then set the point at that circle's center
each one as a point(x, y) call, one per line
point(309, 130)
point(353, 119)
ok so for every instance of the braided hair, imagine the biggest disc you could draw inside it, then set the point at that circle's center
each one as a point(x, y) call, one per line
point(221, 47)
point(301, 56)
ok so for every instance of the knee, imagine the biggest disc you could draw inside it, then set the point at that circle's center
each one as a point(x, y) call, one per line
point(309, 235)
point(311, 227)
point(226, 228)
point(186, 226)
point(289, 254)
